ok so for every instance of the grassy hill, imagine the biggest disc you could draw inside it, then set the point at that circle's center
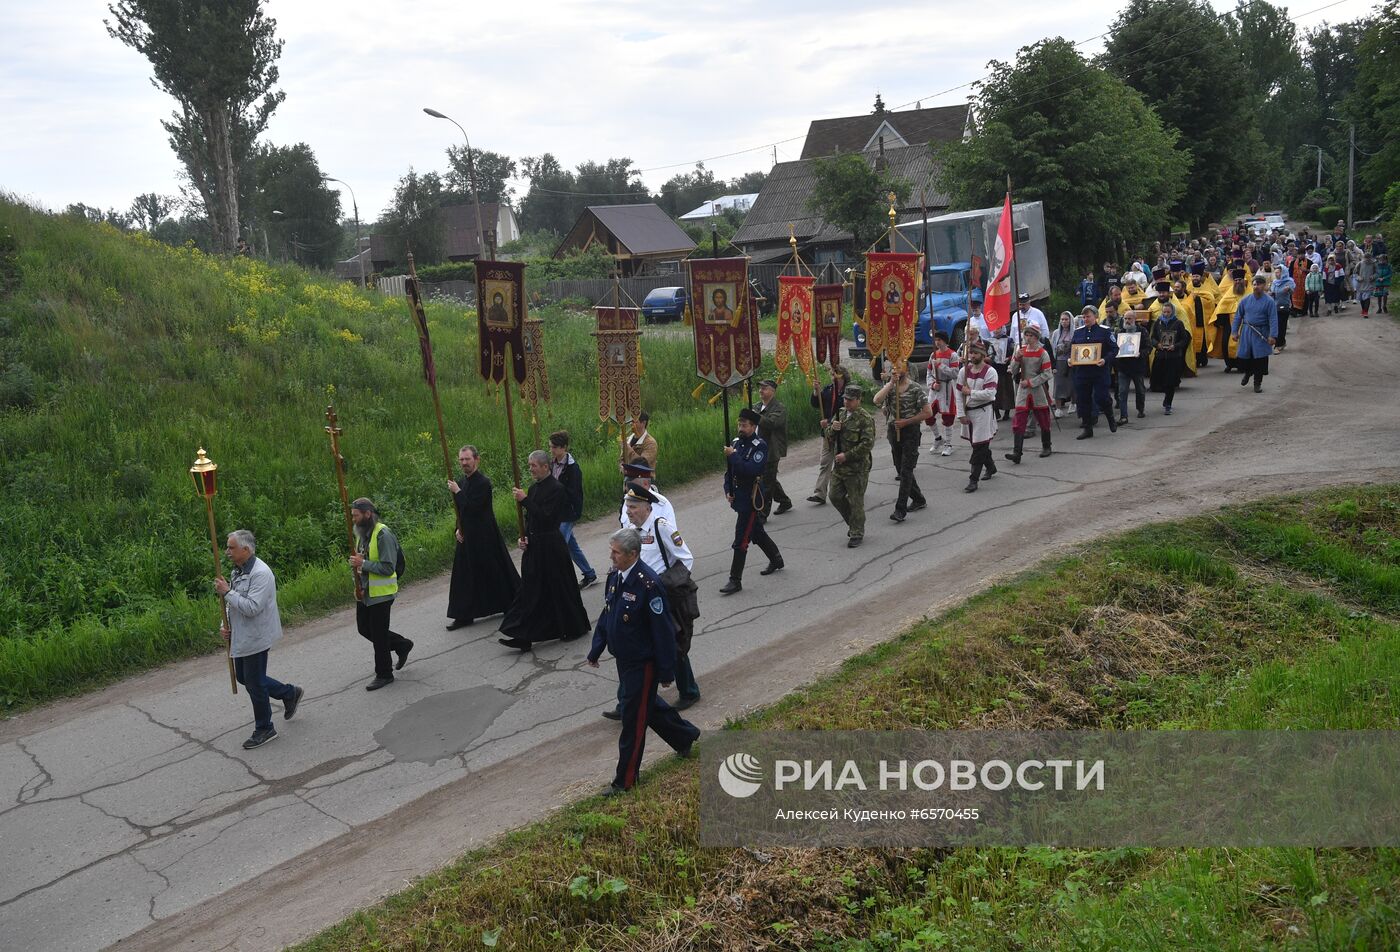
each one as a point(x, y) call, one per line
point(119, 356)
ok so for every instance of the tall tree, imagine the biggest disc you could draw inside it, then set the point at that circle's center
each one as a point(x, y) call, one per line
point(413, 222)
point(683, 192)
point(493, 174)
point(853, 196)
point(1277, 82)
point(287, 179)
point(1077, 138)
point(1374, 106)
point(750, 183)
point(148, 209)
point(217, 59)
point(1178, 54)
point(557, 197)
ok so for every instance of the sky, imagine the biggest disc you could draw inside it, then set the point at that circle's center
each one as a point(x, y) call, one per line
point(663, 84)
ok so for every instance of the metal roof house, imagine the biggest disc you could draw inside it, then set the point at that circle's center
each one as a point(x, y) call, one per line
point(641, 238)
point(724, 203)
point(899, 139)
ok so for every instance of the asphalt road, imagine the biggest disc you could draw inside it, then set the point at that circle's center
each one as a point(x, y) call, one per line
point(133, 816)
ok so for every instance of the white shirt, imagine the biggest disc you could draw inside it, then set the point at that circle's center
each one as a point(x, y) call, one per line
point(1035, 317)
point(670, 537)
point(662, 507)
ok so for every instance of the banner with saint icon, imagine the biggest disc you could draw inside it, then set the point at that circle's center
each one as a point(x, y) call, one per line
point(829, 299)
point(500, 319)
point(619, 363)
point(726, 329)
point(795, 305)
point(536, 385)
point(892, 303)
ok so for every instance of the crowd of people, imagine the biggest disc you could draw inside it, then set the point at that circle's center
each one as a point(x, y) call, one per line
point(1226, 298)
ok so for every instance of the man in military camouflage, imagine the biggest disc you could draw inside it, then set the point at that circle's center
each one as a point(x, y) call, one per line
point(906, 407)
point(851, 436)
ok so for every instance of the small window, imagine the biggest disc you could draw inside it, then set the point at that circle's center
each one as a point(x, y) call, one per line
point(1023, 234)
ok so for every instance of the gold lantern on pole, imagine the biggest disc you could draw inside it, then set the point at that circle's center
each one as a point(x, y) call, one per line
point(205, 473)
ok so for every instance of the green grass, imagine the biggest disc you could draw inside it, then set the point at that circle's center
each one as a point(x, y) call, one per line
point(120, 356)
point(1200, 624)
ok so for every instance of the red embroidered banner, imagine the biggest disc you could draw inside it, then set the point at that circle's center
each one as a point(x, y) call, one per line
point(892, 304)
point(500, 318)
point(726, 329)
point(829, 300)
point(794, 323)
point(536, 385)
point(619, 363)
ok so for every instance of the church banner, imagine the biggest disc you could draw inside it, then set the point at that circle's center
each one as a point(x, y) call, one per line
point(536, 385)
point(500, 318)
point(829, 300)
point(619, 363)
point(726, 329)
point(892, 303)
point(794, 323)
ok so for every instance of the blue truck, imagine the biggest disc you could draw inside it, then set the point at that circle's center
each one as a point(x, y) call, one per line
point(958, 244)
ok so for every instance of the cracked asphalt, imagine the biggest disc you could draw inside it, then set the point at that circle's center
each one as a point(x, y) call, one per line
point(132, 816)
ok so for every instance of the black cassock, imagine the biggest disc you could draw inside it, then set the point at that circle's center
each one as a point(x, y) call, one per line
point(484, 579)
point(548, 604)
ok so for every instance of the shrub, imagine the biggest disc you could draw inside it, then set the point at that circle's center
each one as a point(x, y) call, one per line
point(1327, 215)
point(1310, 208)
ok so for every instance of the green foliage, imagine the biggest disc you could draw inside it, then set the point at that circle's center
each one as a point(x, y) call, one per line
point(1327, 215)
point(1310, 208)
point(287, 179)
point(532, 244)
point(1374, 105)
point(850, 194)
point(591, 262)
point(219, 62)
point(1180, 57)
point(687, 190)
point(493, 172)
point(413, 221)
point(557, 197)
point(124, 355)
point(1103, 163)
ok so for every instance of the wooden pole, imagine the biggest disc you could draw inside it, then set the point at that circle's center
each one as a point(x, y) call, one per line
point(514, 455)
point(218, 570)
point(415, 302)
point(334, 430)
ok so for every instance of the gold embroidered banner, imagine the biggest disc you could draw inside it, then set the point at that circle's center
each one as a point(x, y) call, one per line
point(892, 304)
point(500, 319)
point(536, 385)
point(619, 363)
point(794, 323)
point(726, 329)
point(829, 300)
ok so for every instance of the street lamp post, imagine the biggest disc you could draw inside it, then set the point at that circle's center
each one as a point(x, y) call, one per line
point(355, 204)
point(281, 216)
point(471, 181)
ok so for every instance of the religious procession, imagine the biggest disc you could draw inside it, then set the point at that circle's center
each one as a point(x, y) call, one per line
point(1175, 311)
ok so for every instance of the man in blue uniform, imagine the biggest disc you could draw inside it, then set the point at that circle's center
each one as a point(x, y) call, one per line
point(635, 627)
point(743, 487)
point(1091, 390)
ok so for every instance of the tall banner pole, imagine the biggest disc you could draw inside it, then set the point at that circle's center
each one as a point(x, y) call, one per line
point(420, 318)
point(333, 430)
point(724, 391)
point(1015, 284)
point(205, 473)
point(894, 371)
point(514, 456)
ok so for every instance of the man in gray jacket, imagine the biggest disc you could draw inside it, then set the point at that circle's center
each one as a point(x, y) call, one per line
point(252, 626)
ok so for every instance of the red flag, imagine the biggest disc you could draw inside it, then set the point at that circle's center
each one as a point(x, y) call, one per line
point(997, 303)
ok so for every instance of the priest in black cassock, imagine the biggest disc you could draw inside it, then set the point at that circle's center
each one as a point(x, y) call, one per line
point(548, 604)
point(484, 579)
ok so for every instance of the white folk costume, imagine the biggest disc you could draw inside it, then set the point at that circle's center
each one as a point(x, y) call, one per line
point(1035, 368)
point(943, 367)
point(977, 413)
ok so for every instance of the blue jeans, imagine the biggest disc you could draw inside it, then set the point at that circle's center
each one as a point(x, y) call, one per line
point(566, 529)
point(251, 672)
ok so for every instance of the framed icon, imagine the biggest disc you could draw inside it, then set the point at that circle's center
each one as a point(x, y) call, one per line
point(1130, 344)
point(1082, 355)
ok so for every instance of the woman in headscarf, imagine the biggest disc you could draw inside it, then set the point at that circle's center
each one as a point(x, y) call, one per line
point(1333, 275)
point(1170, 338)
point(1059, 350)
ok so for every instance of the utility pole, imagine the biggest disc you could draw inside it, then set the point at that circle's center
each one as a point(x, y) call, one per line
point(1351, 175)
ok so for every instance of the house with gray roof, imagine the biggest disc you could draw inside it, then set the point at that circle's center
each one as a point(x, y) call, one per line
point(641, 238)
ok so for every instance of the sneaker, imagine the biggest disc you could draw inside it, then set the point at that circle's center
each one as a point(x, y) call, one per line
point(1141, 414)
point(1057, 413)
point(1167, 411)
point(586, 581)
point(1122, 420)
point(260, 737)
point(947, 449)
point(289, 706)
point(854, 542)
point(897, 516)
point(916, 506)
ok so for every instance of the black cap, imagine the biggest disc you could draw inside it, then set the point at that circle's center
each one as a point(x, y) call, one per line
point(637, 469)
point(1158, 273)
point(1024, 297)
point(640, 492)
point(1163, 286)
point(1237, 273)
point(769, 383)
point(750, 414)
point(1198, 267)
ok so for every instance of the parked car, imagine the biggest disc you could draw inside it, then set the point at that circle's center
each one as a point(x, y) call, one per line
point(664, 304)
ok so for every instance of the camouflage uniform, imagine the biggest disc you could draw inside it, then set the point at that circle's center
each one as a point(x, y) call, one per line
point(856, 439)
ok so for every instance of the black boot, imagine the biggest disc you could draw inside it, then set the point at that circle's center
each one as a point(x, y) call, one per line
point(989, 467)
point(1044, 443)
point(971, 486)
point(736, 573)
point(1086, 434)
point(775, 558)
point(1015, 454)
